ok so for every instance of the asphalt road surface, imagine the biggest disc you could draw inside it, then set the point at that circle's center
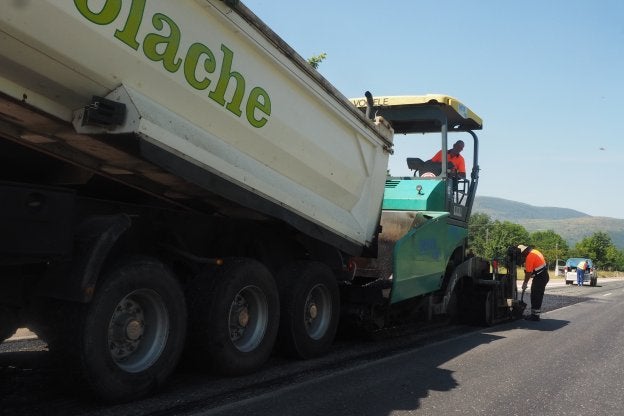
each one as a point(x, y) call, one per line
point(567, 364)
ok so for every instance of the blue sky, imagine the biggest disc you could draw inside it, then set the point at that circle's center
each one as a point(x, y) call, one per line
point(546, 76)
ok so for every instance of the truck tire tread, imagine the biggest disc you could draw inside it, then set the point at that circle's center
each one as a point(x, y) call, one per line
point(211, 297)
point(108, 378)
point(300, 336)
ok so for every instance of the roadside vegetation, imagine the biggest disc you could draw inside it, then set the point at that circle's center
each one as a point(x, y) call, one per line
point(490, 239)
point(316, 60)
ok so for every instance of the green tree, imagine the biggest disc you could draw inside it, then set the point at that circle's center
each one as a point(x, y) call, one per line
point(503, 235)
point(601, 249)
point(316, 60)
point(478, 229)
point(595, 247)
point(491, 239)
point(614, 259)
point(551, 244)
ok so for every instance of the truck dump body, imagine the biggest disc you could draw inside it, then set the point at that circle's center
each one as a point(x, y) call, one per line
point(220, 115)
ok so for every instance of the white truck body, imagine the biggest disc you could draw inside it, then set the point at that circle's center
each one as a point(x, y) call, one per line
point(211, 86)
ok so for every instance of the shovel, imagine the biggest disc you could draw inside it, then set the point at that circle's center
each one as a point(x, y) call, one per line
point(522, 303)
point(520, 307)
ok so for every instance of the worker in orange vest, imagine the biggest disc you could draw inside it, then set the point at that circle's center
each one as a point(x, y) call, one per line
point(453, 155)
point(535, 268)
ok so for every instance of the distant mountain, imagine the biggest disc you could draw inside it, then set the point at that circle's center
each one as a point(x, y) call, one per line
point(571, 225)
point(506, 210)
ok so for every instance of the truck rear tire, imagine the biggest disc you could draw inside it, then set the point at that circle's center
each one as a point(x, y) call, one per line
point(134, 330)
point(310, 309)
point(233, 317)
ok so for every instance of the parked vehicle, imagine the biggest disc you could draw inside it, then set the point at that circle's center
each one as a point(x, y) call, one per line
point(590, 275)
point(175, 179)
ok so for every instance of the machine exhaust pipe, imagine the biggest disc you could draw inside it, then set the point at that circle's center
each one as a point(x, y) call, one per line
point(369, 105)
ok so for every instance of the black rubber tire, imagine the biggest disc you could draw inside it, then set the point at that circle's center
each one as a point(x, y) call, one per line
point(143, 297)
point(310, 309)
point(241, 288)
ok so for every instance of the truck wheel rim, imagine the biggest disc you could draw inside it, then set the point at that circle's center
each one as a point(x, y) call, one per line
point(248, 318)
point(137, 331)
point(317, 311)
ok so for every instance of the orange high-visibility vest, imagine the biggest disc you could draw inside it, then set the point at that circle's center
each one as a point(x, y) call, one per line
point(534, 261)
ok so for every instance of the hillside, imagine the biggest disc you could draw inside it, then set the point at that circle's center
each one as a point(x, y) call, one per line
point(571, 225)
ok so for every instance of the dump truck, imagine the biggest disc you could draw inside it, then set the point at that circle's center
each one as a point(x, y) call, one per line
point(175, 180)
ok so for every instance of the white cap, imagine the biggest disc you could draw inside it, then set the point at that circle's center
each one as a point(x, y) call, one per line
point(522, 248)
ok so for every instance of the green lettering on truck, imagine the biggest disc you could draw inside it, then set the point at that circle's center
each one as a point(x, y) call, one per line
point(198, 63)
point(171, 42)
point(191, 63)
point(224, 80)
point(133, 23)
point(106, 16)
point(258, 100)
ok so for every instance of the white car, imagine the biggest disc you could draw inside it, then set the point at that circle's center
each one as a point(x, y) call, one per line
point(570, 272)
